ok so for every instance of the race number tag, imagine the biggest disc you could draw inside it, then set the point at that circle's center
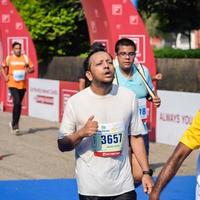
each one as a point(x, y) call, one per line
point(108, 141)
point(19, 75)
point(142, 108)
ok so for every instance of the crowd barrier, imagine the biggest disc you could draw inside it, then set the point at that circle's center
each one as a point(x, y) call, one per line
point(46, 99)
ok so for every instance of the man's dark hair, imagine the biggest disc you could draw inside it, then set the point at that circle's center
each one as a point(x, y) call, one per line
point(124, 42)
point(97, 46)
point(16, 43)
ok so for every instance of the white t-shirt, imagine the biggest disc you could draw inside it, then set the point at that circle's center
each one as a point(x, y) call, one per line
point(96, 175)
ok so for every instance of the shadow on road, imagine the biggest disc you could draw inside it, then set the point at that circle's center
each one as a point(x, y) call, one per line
point(5, 155)
point(35, 130)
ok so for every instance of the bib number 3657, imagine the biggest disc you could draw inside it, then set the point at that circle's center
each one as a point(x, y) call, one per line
point(109, 139)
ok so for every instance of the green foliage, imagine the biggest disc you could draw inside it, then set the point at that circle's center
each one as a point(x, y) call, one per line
point(176, 53)
point(57, 27)
point(178, 16)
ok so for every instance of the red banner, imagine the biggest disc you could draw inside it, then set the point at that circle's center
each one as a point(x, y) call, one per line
point(67, 89)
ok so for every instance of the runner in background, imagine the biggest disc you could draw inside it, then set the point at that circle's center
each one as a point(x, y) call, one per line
point(130, 75)
point(15, 69)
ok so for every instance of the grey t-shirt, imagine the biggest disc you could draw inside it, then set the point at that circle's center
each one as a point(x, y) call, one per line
point(99, 175)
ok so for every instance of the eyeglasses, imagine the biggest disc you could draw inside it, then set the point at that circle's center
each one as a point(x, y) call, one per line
point(124, 54)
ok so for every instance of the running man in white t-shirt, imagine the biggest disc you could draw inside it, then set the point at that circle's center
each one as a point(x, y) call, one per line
point(96, 123)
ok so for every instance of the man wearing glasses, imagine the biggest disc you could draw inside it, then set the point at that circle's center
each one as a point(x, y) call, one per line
point(128, 76)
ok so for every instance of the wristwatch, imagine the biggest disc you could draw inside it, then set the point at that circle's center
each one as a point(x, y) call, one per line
point(149, 172)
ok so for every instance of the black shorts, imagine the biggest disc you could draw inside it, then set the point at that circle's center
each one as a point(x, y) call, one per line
point(126, 196)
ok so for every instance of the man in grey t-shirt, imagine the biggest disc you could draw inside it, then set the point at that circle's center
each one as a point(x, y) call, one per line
point(96, 123)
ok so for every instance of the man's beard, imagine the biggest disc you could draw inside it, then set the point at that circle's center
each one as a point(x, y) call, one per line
point(103, 83)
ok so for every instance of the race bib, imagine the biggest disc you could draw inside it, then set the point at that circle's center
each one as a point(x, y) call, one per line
point(108, 141)
point(142, 108)
point(19, 75)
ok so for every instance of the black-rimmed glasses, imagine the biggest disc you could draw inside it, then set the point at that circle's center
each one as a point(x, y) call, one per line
point(124, 54)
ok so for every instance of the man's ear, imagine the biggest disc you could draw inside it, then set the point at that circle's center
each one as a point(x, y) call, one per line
point(89, 75)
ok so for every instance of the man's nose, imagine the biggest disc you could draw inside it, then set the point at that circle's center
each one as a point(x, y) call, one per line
point(127, 56)
point(106, 64)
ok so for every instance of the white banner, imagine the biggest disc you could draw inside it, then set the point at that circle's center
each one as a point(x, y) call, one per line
point(44, 99)
point(175, 114)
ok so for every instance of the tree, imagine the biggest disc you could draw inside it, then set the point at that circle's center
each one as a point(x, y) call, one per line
point(177, 16)
point(57, 27)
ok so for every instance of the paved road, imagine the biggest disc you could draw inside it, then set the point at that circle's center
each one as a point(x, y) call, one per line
point(34, 154)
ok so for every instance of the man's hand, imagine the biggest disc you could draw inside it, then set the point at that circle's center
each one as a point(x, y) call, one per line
point(90, 127)
point(147, 183)
point(157, 77)
point(156, 101)
point(29, 70)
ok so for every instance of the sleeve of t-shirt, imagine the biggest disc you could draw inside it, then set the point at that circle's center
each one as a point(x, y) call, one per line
point(136, 125)
point(191, 137)
point(68, 124)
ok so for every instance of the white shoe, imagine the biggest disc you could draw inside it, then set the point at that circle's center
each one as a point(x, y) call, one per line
point(14, 131)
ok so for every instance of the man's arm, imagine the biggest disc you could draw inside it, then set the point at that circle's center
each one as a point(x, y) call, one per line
point(29, 67)
point(157, 77)
point(29, 70)
point(169, 169)
point(69, 142)
point(28, 64)
point(138, 148)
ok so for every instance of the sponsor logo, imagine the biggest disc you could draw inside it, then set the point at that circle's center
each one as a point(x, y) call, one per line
point(105, 23)
point(93, 26)
point(18, 25)
point(96, 13)
point(140, 46)
point(5, 18)
point(4, 2)
point(133, 19)
point(117, 9)
point(44, 99)
point(118, 26)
